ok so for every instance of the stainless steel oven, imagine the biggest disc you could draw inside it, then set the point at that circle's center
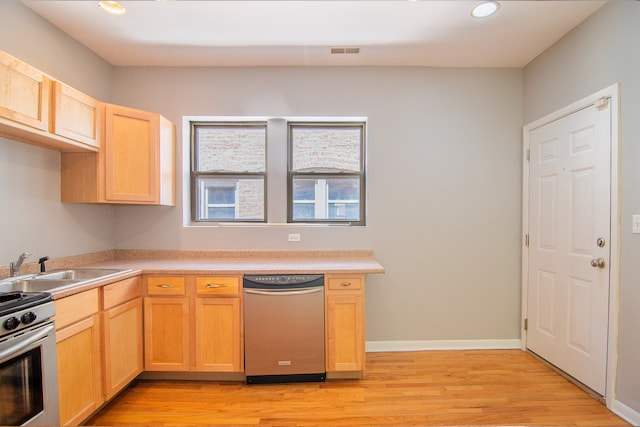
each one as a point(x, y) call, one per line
point(28, 365)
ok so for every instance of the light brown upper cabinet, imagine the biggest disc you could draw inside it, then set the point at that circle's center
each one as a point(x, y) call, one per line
point(139, 152)
point(135, 163)
point(24, 93)
point(36, 109)
point(75, 115)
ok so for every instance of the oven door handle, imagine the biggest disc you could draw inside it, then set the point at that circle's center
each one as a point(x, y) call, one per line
point(31, 338)
point(278, 293)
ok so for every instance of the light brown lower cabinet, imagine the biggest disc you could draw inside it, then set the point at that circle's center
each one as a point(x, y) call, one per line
point(345, 333)
point(193, 324)
point(78, 346)
point(166, 333)
point(122, 334)
point(218, 339)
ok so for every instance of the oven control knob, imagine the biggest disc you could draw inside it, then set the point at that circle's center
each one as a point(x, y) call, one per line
point(11, 323)
point(28, 317)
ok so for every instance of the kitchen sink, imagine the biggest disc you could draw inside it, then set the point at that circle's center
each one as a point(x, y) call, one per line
point(78, 274)
point(37, 285)
point(57, 280)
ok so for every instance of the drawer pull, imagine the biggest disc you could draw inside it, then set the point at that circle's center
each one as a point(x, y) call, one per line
point(345, 283)
point(215, 285)
point(165, 286)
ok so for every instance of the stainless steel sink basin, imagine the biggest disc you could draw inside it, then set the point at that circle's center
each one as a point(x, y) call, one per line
point(34, 285)
point(78, 274)
point(57, 280)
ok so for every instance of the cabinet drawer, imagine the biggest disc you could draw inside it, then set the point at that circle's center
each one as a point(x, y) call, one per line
point(165, 285)
point(217, 285)
point(75, 307)
point(119, 292)
point(345, 283)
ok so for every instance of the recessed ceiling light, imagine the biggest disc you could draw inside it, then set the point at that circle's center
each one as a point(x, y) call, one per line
point(112, 7)
point(485, 9)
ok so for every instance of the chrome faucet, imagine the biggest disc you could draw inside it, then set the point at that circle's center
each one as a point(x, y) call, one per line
point(14, 267)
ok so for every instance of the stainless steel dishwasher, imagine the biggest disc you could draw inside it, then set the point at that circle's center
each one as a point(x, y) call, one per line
point(284, 328)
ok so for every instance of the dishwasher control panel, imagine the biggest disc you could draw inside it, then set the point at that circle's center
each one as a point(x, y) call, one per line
point(267, 281)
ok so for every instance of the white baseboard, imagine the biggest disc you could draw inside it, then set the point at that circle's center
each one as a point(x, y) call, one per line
point(623, 411)
point(380, 346)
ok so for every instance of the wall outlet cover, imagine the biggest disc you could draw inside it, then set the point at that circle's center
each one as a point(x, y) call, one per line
point(635, 224)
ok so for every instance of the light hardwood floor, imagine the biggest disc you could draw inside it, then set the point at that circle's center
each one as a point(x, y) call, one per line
point(430, 388)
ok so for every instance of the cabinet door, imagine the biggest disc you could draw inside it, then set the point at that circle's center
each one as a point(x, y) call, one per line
point(24, 93)
point(345, 331)
point(79, 372)
point(122, 345)
point(131, 155)
point(75, 115)
point(166, 333)
point(218, 337)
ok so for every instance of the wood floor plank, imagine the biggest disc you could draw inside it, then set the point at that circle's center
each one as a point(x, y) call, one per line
point(429, 388)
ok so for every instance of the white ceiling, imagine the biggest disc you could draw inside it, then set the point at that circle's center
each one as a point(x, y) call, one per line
point(298, 32)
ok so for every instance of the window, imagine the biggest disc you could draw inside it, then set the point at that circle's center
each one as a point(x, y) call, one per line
point(326, 173)
point(316, 170)
point(228, 171)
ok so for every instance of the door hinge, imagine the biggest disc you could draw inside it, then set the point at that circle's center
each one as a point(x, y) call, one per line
point(526, 240)
point(601, 103)
point(526, 324)
point(528, 154)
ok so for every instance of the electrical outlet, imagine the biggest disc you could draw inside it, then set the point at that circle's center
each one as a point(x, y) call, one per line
point(295, 237)
point(635, 224)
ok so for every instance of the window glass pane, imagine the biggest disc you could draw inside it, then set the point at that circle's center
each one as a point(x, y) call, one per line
point(221, 193)
point(304, 189)
point(231, 148)
point(330, 148)
point(344, 189)
point(344, 211)
point(221, 213)
point(326, 198)
point(344, 199)
point(303, 211)
point(232, 198)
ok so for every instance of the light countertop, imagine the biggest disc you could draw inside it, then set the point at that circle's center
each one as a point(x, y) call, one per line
point(138, 262)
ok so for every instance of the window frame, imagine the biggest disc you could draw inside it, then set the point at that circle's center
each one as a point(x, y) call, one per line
point(195, 175)
point(361, 174)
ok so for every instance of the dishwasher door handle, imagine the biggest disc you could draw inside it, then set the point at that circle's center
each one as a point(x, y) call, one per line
point(278, 293)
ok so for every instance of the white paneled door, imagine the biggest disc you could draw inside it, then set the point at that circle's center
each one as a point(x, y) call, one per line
point(569, 243)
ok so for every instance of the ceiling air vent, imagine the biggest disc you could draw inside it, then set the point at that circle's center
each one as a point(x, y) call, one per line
point(345, 50)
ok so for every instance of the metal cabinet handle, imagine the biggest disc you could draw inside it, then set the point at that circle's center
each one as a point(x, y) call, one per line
point(598, 263)
point(215, 285)
point(165, 286)
point(345, 283)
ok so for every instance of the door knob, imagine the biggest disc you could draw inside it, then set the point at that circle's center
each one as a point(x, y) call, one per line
point(599, 263)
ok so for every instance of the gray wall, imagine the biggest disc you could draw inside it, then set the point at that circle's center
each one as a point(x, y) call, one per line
point(31, 215)
point(602, 51)
point(443, 181)
point(443, 186)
